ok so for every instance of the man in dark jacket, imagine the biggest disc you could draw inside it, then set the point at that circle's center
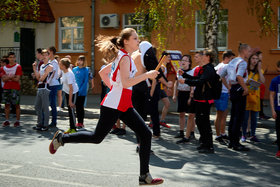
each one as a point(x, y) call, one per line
point(203, 77)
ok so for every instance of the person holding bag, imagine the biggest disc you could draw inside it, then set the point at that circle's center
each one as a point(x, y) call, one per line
point(255, 78)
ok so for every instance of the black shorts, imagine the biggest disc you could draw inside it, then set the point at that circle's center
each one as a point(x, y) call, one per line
point(162, 94)
point(183, 97)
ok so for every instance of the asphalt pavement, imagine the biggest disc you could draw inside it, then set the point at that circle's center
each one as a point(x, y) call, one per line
point(25, 160)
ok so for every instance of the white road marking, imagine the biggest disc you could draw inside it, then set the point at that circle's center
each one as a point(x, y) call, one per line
point(44, 180)
point(85, 171)
point(10, 167)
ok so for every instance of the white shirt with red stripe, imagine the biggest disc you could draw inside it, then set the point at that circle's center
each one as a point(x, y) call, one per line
point(118, 97)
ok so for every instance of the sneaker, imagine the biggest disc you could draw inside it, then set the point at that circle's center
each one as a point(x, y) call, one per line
point(148, 180)
point(52, 125)
point(6, 123)
point(59, 109)
point(192, 136)
point(225, 137)
point(138, 149)
point(40, 128)
point(154, 137)
point(16, 124)
point(121, 132)
point(243, 139)
point(164, 124)
point(150, 125)
point(264, 117)
point(254, 139)
point(221, 140)
point(206, 150)
point(240, 148)
point(183, 141)
point(278, 154)
point(114, 131)
point(70, 131)
point(80, 125)
point(179, 135)
point(56, 142)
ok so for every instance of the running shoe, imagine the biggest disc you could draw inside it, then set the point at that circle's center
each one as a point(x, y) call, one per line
point(115, 131)
point(148, 180)
point(121, 132)
point(164, 124)
point(278, 154)
point(243, 139)
point(70, 131)
point(206, 150)
point(183, 141)
point(192, 136)
point(6, 123)
point(221, 140)
point(56, 142)
point(16, 124)
point(180, 135)
point(80, 125)
point(254, 139)
point(150, 125)
point(225, 137)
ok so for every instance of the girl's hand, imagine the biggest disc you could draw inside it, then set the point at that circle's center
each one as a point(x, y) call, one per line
point(189, 101)
point(182, 81)
point(180, 72)
point(259, 65)
point(152, 74)
point(174, 99)
point(274, 115)
point(72, 105)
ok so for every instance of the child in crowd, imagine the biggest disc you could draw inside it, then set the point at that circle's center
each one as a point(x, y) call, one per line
point(255, 73)
point(222, 103)
point(81, 73)
point(42, 98)
point(184, 98)
point(11, 93)
point(70, 88)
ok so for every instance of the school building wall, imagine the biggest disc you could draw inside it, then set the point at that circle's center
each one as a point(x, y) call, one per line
point(242, 27)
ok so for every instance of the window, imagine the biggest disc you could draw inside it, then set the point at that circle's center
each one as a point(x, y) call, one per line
point(130, 22)
point(200, 30)
point(71, 33)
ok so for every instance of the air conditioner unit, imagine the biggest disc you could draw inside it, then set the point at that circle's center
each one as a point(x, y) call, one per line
point(109, 21)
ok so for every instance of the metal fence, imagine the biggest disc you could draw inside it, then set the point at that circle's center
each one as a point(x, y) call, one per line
point(5, 50)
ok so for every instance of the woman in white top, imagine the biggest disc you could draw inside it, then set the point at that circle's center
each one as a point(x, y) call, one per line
point(117, 103)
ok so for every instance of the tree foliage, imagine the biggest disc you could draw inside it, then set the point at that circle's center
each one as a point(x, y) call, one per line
point(16, 10)
point(169, 16)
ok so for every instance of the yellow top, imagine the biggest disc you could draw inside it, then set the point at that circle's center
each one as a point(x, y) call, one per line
point(254, 105)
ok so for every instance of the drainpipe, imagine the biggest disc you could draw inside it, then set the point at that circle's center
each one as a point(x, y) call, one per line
point(92, 37)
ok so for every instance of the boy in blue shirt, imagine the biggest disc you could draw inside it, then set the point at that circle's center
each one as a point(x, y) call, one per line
point(274, 97)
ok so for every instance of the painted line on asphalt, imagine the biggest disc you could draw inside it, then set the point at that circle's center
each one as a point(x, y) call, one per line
point(44, 180)
point(85, 171)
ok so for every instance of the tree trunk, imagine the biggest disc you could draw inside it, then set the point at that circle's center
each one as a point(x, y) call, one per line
point(211, 29)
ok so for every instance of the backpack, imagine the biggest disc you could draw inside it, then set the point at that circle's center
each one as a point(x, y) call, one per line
point(215, 86)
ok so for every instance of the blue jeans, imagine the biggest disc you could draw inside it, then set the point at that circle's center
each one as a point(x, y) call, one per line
point(53, 95)
point(253, 122)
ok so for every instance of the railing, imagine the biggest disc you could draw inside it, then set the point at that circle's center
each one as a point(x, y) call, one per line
point(5, 50)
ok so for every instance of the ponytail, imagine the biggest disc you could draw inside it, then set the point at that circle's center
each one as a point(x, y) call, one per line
point(109, 45)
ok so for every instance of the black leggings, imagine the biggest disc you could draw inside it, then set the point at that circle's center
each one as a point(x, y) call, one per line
point(80, 108)
point(108, 117)
point(71, 111)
